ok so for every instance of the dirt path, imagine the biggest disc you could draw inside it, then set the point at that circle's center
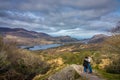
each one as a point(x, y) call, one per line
point(79, 70)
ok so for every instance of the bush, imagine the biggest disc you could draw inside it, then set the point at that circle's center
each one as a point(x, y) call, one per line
point(31, 65)
point(75, 58)
point(4, 63)
point(114, 67)
point(17, 63)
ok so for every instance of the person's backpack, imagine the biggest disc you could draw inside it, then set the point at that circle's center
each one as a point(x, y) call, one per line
point(85, 63)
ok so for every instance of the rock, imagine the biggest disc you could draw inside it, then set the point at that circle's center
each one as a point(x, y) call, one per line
point(73, 72)
point(68, 73)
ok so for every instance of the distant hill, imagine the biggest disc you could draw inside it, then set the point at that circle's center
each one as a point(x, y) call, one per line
point(25, 37)
point(22, 33)
point(97, 38)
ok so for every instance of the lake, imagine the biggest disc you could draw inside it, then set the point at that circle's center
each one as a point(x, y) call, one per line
point(41, 47)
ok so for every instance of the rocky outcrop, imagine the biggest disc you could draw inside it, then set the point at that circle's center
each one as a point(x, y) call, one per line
point(68, 73)
point(73, 72)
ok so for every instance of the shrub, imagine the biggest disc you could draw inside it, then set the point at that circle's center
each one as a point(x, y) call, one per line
point(17, 63)
point(114, 67)
point(4, 63)
point(30, 65)
point(112, 50)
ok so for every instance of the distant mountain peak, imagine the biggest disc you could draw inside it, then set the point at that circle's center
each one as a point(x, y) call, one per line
point(5, 29)
point(97, 38)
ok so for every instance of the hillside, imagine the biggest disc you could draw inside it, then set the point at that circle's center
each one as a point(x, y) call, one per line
point(98, 38)
point(25, 37)
point(51, 63)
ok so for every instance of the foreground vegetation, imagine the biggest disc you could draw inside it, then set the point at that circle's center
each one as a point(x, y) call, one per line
point(108, 76)
point(17, 64)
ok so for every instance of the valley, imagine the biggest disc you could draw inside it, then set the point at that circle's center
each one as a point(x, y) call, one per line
point(54, 58)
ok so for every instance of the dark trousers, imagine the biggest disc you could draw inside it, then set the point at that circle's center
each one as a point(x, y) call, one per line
point(85, 69)
point(88, 68)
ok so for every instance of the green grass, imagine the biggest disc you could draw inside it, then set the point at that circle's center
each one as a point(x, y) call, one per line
point(109, 76)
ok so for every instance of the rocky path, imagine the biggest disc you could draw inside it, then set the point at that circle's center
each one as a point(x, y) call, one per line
point(79, 70)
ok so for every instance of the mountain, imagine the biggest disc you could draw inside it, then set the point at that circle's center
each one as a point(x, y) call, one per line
point(65, 39)
point(22, 33)
point(97, 38)
point(25, 37)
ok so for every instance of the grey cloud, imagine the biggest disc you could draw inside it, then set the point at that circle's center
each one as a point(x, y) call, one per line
point(39, 4)
point(21, 16)
point(3, 14)
point(35, 22)
point(52, 16)
point(112, 18)
point(69, 8)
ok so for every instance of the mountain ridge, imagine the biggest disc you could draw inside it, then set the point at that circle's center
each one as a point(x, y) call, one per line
point(23, 36)
point(98, 38)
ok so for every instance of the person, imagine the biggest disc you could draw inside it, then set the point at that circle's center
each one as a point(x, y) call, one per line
point(87, 65)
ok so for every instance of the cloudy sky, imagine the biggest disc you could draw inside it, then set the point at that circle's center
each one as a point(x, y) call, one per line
point(76, 18)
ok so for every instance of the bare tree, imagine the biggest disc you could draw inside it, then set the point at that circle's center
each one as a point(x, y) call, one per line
point(116, 29)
